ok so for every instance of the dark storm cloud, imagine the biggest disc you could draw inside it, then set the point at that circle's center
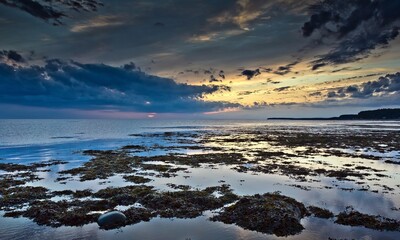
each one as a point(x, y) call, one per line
point(164, 31)
point(129, 66)
point(98, 86)
point(355, 48)
point(251, 73)
point(358, 26)
point(53, 10)
point(317, 20)
point(389, 84)
point(349, 15)
point(12, 56)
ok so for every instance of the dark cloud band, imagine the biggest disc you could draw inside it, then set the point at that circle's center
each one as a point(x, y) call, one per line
point(60, 84)
point(358, 27)
point(386, 85)
point(53, 10)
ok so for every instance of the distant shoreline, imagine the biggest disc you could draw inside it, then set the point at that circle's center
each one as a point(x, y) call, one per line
point(371, 115)
point(330, 119)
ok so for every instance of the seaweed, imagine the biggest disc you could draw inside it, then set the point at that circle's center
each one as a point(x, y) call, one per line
point(320, 212)
point(17, 196)
point(354, 218)
point(187, 203)
point(136, 179)
point(269, 213)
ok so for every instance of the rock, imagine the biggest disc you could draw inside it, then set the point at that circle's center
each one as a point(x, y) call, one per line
point(112, 219)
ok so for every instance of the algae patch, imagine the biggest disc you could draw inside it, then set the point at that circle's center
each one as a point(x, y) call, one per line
point(354, 218)
point(269, 213)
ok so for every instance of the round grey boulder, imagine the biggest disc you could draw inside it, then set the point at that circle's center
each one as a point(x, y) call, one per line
point(111, 219)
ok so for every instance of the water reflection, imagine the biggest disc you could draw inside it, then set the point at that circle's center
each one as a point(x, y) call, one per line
point(326, 192)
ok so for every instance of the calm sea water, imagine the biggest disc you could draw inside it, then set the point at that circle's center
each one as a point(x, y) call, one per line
point(22, 132)
point(26, 141)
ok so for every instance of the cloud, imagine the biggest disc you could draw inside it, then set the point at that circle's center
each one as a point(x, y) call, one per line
point(12, 56)
point(101, 41)
point(281, 89)
point(214, 79)
point(221, 74)
point(245, 93)
point(241, 14)
point(361, 76)
point(318, 65)
point(358, 26)
point(60, 84)
point(267, 70)
point(244, 12)
point(269, 80)
point(52, 11)
point(315, 94)
point(129, 66)
point(283, 70)
point(383, 86)
point(159, 24)
point(97, 22)
point(251, 73)
point(317, 21)
point(345, 69)
point(356, 48)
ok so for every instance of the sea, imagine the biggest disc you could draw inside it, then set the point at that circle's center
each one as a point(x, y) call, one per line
point(25, 141)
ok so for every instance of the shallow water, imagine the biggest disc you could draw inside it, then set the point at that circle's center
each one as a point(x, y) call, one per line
point(28, 141)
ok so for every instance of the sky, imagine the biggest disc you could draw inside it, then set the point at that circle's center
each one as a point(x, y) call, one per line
point(226, 59)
